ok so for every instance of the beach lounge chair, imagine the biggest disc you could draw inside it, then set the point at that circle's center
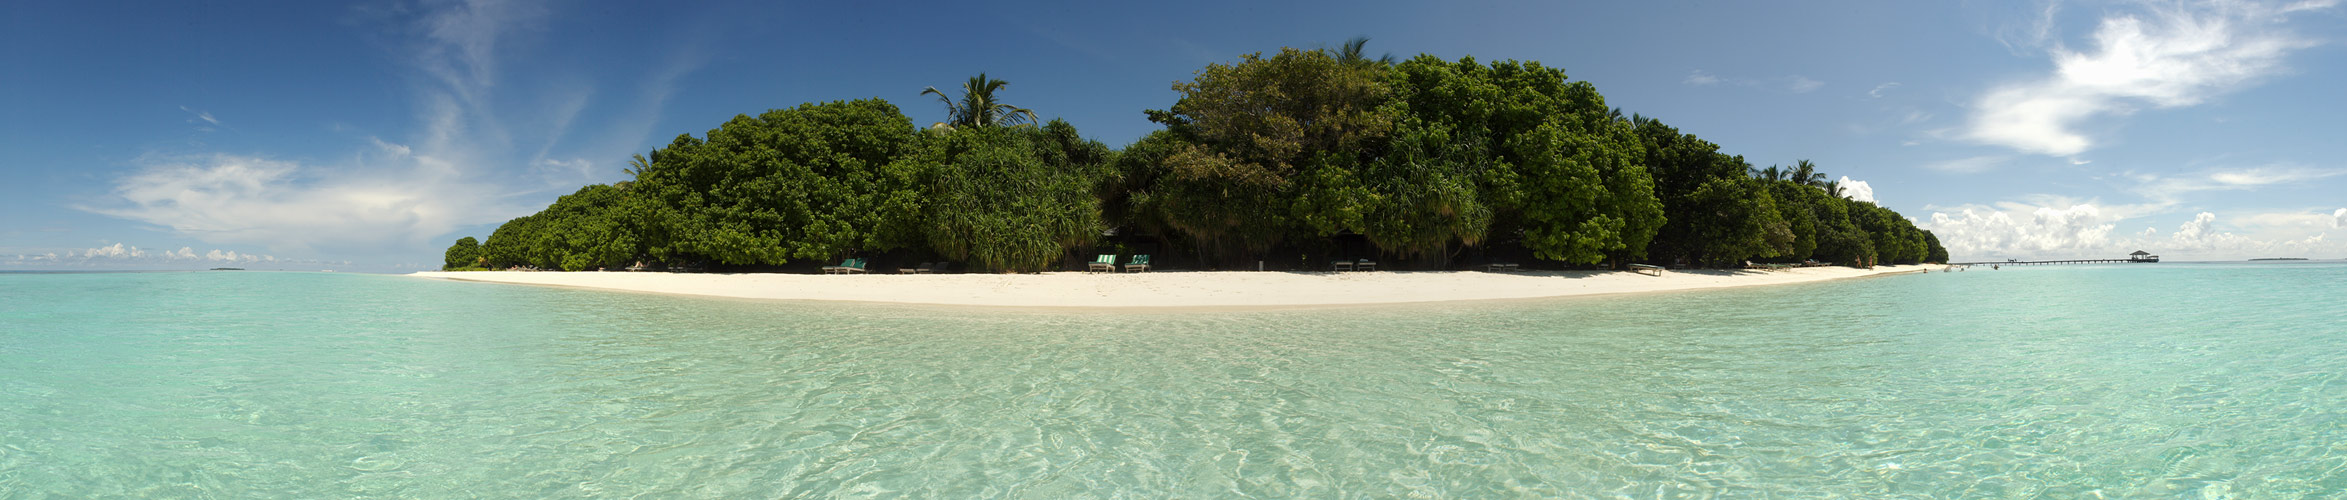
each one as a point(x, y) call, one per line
point(928, 268)
point(1647, 269)
point(1106, 263)
point(1340, 266)
point(849, 266)
point(1498, 267)
point(1139, 263)
point(1365, 265)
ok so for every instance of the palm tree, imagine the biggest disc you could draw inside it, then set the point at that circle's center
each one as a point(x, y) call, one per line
point(637, 167)
point(1834, 189)
point(1806, 174)
point(1772, 173)
point(978, 107)
point(635, 171)
point(1351, 54)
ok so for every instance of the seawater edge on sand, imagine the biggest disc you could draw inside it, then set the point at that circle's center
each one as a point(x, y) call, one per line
point(1169, 291)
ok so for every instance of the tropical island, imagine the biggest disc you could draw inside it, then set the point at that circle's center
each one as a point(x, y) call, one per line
point(1299, 160)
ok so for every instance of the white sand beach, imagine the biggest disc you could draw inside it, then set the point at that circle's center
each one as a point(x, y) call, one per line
point(1171, 288)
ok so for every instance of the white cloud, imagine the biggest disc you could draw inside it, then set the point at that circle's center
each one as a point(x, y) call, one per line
point(116, 251)
point(485, 127)
point(1699, 78)
point(575, 167)
point(1801, 84)
point(1879, 89)
point(2022, 231)
point(206, 116)
point(1792, 83)
point(227, 199)
point(2196, 231)
point(2028, 231)
point(127, 256)
point(2169, 57)
point(392, 197)
point(1973, 165)
point(1857, 190)
point(2169, 190)
point(2339, 219)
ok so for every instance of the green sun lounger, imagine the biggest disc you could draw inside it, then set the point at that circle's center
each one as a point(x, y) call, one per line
point(849, 266)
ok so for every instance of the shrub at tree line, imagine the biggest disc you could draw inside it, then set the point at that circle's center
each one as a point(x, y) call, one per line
point(1292, 158)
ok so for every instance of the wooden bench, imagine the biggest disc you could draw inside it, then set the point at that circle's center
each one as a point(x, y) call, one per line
point(1646, 269)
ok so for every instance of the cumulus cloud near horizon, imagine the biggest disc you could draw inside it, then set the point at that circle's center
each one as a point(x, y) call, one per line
point(2171, 56)
point(126, 253)
point(2084, 230)
point(1857, 190)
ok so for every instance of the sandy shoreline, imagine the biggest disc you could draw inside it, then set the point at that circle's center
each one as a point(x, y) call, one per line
point(1170, 289)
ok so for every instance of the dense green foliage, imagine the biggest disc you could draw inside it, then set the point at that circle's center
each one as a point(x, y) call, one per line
point(1010, 198)
point(465, 253)
point(1297, 154)
point(1251, 149)
point(813, 182)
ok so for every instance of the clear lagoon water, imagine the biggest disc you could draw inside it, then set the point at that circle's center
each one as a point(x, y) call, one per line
point(2172, 380)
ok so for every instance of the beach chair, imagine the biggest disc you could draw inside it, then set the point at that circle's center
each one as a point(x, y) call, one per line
point(1646, 269)
point(1501, 267)
point(1105, 263)
point(849, 266)
point(928, 268)
point(1365, 265)
point(1139, 263)
point(1340, 266)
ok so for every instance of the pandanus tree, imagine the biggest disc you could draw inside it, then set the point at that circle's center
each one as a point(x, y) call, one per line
point(977, 107)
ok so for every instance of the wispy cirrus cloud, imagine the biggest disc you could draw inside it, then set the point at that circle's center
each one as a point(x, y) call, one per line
point(2166, 57)
point(1791, 83)
point(491, 131)
point(1879, 90)
point(2171, 189)
point(1972, 165)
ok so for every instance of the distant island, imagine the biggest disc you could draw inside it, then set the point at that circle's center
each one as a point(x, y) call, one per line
point(1294, 160)
point(228, 269)
point(2280, 258)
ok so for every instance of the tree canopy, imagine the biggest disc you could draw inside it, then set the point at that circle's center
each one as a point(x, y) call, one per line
point(1278, 157)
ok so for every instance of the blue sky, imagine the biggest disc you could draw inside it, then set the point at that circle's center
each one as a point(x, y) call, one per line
point(366, 136)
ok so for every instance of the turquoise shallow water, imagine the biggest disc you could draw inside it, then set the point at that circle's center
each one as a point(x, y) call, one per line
point(2131, 381)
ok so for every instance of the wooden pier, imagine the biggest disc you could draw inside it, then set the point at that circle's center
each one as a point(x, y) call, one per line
point(2049, 262)
point(2139, 257)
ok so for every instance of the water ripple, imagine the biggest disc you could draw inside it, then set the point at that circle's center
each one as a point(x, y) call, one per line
point(2112, 382)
